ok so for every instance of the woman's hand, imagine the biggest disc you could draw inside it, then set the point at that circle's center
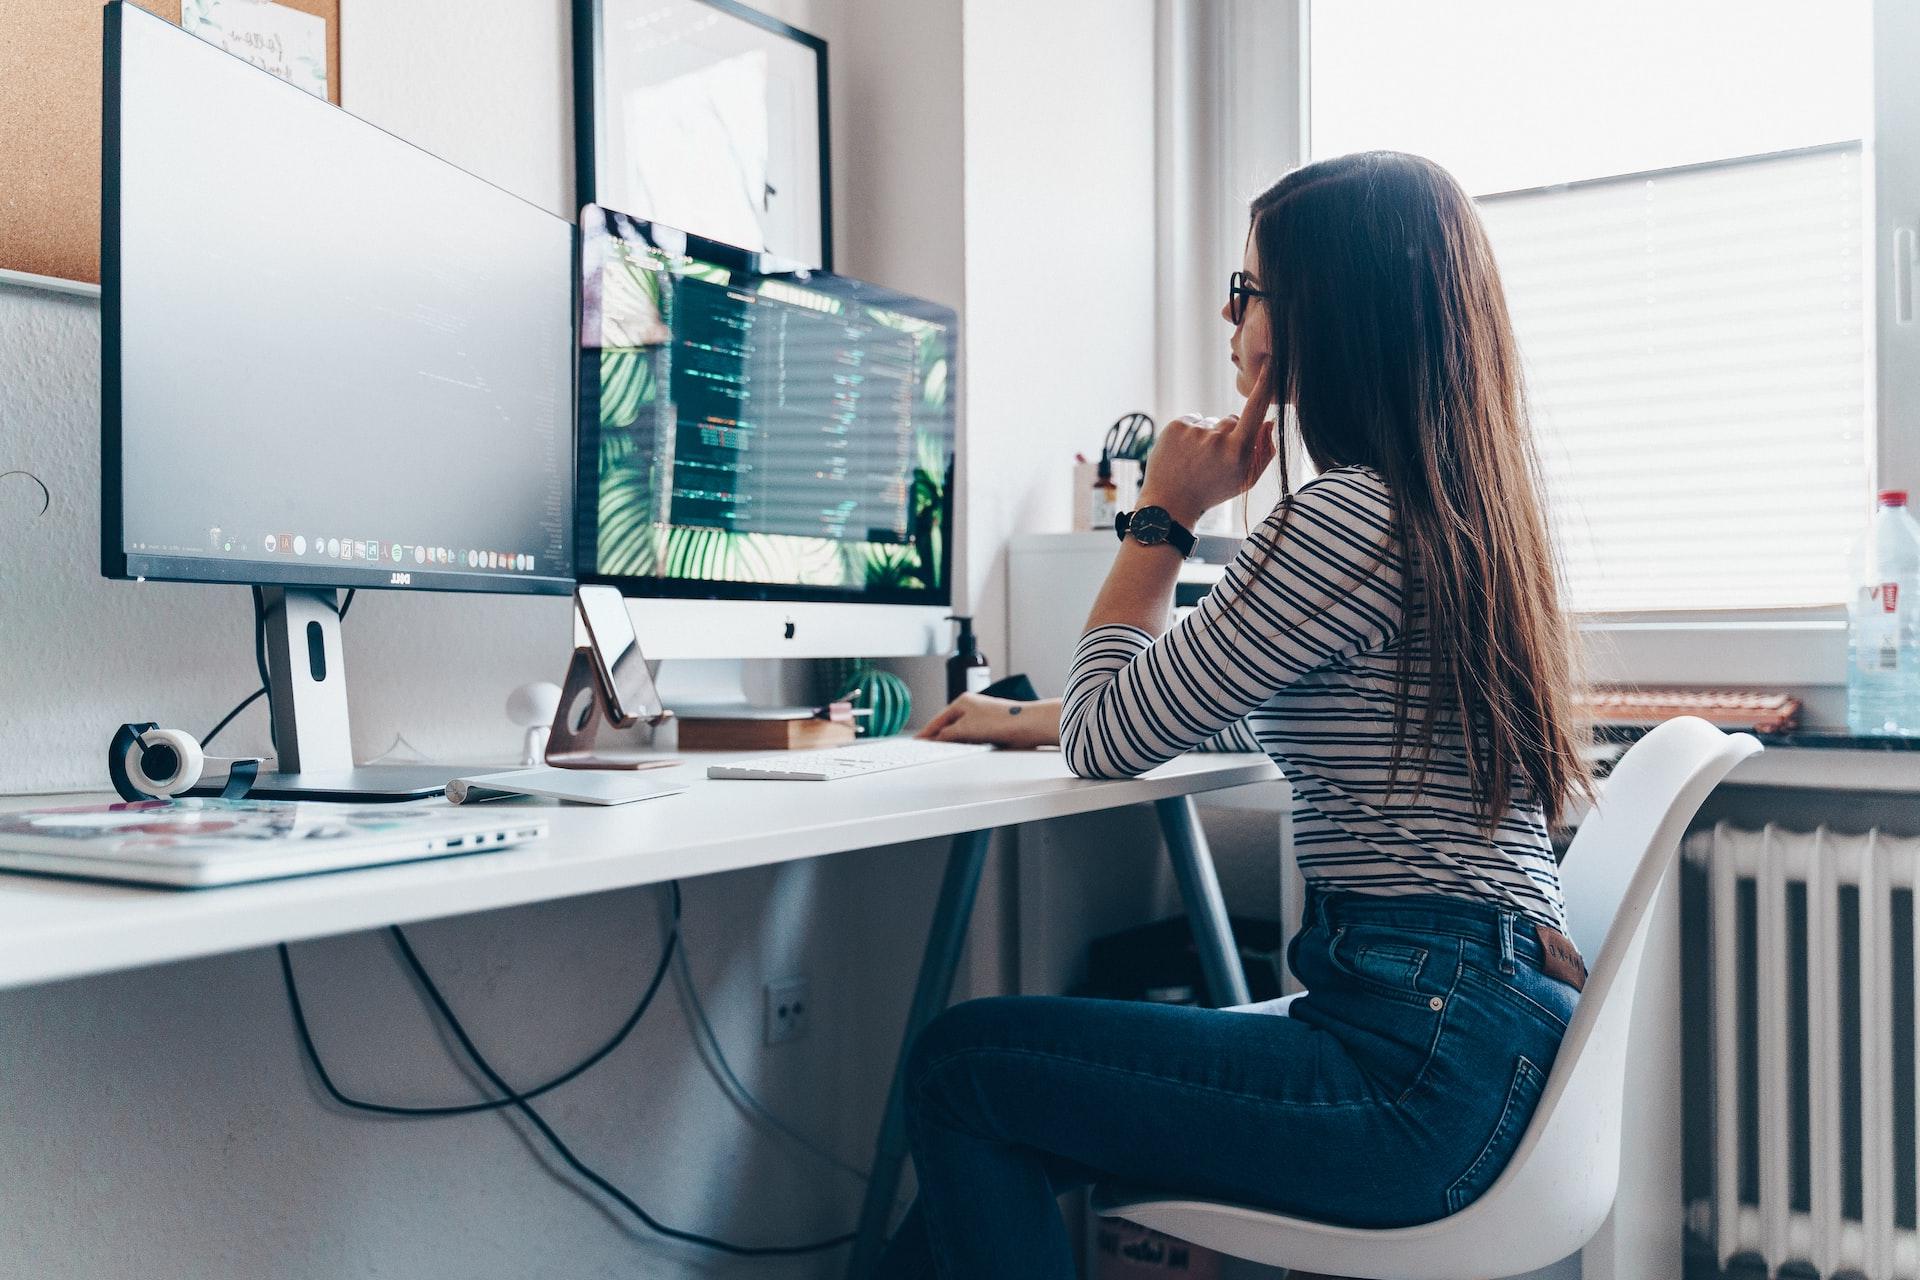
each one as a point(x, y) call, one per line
point(1198, 463)
point(974, 717)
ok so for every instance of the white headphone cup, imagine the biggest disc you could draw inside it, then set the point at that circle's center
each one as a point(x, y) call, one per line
point(186, 749)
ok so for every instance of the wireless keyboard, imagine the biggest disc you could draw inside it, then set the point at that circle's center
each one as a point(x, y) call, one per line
point(825, 764)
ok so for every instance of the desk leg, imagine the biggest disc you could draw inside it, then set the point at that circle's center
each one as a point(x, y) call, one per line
point(1206, 909)
point(930, 995)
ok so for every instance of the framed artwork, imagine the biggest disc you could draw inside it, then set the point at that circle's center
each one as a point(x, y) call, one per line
point(708, 116)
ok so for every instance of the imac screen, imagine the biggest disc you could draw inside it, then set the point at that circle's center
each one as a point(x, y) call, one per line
point(751, 429)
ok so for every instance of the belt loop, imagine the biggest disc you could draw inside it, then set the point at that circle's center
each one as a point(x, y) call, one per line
point(1506, 943)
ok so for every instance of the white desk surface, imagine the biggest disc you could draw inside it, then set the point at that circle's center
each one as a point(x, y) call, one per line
point(52, 929)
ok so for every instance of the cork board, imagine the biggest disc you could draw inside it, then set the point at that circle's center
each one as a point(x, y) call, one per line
point(50, 86)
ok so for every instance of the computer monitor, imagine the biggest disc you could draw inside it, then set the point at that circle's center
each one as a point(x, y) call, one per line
point(766, 451)
point(330, 359)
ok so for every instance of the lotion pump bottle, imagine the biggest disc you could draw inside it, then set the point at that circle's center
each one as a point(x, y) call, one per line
point(967, 670)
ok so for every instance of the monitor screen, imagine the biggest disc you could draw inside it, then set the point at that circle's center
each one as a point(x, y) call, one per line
point(751, 429)
point(330, 358)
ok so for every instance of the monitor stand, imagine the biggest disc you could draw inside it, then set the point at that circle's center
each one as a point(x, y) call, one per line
point(732, 686)
point(307, 689)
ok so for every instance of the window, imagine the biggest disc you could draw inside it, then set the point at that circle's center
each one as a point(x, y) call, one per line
point(1679, 199)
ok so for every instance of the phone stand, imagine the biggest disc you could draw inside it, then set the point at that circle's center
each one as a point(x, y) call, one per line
point(586, 735)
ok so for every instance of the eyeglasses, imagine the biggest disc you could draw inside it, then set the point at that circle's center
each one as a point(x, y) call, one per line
point(1239, 289)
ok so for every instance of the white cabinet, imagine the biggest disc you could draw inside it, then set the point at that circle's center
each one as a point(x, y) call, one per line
point(1051, 581)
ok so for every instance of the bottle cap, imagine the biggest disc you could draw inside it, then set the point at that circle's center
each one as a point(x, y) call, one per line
point(1893, 497)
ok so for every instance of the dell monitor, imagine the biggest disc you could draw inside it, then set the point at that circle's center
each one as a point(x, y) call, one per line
point(766, 451)
point(330, 359)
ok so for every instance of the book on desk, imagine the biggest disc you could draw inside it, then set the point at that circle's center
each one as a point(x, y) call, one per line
point(766, 728)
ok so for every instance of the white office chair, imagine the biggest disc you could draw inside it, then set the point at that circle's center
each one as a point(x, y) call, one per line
point(1560, 1183)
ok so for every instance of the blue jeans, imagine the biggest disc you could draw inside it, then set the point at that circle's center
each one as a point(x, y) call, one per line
point(1393, 1095)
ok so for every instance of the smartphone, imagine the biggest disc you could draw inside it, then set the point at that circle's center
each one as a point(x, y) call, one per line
point(616, 653)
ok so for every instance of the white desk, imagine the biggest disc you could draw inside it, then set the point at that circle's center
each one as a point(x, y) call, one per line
point(52, 929)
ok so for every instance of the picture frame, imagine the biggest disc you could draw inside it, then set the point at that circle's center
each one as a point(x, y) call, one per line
point(705, 115)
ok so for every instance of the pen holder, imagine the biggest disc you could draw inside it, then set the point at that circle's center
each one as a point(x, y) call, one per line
point(586, 734)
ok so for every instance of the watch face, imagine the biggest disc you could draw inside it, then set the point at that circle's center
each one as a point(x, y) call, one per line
point(1150, 525)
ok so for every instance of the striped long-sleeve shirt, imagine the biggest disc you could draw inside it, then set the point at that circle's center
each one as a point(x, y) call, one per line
point(1296, 653)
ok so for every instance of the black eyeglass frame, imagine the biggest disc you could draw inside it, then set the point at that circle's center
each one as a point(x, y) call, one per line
point(1238, 291)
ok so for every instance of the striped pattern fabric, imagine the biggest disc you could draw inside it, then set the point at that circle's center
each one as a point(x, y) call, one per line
point(1295, 653)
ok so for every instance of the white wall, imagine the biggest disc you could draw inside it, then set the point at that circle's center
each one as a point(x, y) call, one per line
point(1060, 260)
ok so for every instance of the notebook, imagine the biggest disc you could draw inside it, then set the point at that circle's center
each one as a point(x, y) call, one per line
point(198, 843)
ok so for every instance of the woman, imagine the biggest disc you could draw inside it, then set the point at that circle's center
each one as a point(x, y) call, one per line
point(1391, 636)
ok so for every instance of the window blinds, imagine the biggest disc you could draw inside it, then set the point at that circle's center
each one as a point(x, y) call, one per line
point(1696, 345)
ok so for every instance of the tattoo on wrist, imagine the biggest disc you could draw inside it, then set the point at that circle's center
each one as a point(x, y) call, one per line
point(1014, 710)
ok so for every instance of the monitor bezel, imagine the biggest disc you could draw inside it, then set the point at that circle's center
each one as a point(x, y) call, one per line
point(586, 537)
point(116, 561)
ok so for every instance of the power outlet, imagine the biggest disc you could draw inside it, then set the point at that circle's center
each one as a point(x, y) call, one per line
point(789, 1010)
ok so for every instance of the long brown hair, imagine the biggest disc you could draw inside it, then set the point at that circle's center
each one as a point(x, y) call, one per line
point(1392, 343)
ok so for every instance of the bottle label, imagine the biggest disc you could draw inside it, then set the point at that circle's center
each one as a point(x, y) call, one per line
point(978, 678)
point(1886, 595)
point(1876, 643)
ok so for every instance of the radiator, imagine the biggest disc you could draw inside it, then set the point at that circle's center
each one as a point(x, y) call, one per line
point(1812, 978)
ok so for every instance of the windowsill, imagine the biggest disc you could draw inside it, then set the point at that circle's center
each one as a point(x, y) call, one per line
point(1764, 653)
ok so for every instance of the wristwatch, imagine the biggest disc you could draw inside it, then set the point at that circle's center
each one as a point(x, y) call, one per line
point(1151, 526)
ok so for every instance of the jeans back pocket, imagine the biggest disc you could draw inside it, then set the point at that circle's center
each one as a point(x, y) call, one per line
point(1389, 967)
point(1390, 962)
point(1523, 1095)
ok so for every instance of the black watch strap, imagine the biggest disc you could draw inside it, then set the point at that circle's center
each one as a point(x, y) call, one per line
point(1152, 526)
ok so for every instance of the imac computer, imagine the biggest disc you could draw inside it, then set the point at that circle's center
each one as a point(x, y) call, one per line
point(766, 451)
point(330, 360)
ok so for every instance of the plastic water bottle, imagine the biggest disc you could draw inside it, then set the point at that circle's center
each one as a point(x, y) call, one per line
point(1883, 624)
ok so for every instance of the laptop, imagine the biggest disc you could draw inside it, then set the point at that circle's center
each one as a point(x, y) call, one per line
point(204, 843)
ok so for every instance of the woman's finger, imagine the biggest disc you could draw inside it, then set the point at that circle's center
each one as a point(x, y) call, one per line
point(1264, 447)
point(944, 717)
point(1259, 400)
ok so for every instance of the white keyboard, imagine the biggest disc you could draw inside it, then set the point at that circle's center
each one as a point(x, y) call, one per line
point(824, 764)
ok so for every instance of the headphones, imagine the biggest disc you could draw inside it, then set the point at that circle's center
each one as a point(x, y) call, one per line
point(147, 762)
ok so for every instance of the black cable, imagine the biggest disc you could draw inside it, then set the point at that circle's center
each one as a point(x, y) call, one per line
point(519, 1100)
point(574, 1162)
point(260, 636)
point(492, 1104)
point(260, 668)
point(249, 700)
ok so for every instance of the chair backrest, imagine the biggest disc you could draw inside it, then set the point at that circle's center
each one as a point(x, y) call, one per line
point(1566, 1169)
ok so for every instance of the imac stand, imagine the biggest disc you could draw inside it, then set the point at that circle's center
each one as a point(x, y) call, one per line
point(733, 686)
point(307, 689)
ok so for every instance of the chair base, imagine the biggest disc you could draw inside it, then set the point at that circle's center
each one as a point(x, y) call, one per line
point(1460, 1247)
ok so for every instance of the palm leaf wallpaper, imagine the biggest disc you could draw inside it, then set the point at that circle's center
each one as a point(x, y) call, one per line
point(631, 372)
